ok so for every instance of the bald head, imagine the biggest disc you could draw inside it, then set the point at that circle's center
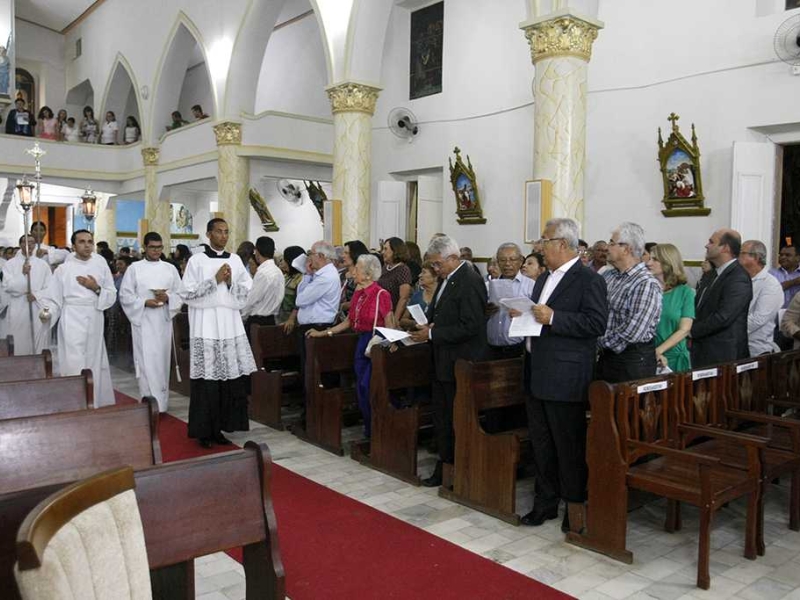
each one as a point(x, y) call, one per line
point(724, 245)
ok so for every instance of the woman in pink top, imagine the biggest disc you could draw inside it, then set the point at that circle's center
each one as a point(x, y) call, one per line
point(368, 300)
point(48, 124)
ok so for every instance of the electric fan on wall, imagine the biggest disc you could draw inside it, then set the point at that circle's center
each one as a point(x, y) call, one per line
point(787, 41)
point(290, 192)
point(403, 124)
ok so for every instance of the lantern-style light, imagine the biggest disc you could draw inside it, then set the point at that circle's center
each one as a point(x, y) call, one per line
point(89, 205)
point(25, 196)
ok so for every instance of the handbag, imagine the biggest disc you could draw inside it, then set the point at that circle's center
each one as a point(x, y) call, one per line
point(376, 339)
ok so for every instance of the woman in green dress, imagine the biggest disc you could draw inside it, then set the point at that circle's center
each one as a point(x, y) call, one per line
point(677, 313)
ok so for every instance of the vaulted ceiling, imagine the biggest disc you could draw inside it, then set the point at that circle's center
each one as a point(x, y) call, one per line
point(55, 14)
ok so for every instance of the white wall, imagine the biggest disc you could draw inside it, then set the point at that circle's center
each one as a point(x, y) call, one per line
point(41, 52)
point(196, 90)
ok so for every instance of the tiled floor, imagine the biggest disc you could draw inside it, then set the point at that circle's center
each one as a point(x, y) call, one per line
point(664, 564)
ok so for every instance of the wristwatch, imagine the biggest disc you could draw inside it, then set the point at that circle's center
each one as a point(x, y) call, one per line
point(329, 332)
point(97, 291)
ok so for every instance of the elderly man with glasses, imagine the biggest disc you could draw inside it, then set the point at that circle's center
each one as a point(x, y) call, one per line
point(511, 284)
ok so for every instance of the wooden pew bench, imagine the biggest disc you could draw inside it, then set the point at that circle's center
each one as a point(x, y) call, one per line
point(395, 430)
point(33, 366)
point(277, 359)
point(326, 355)
point(635, 421)
point(180, 355)
point(485, 470)
point(45, 396)
point(43, 453)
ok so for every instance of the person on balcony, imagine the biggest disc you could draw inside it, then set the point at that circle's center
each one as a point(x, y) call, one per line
point(132, 130)
point(20, 120)
point(197, 113)
point(47, 126)
point(109, 134)
point(90, 128)
point(177, 121)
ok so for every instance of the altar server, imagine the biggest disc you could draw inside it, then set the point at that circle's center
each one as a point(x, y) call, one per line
point(15, 288)
point(79, 291)
point(216, 284)
point(149, 295)
point(49, 254)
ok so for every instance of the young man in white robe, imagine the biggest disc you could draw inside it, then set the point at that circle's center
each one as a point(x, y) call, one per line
point(215, 286)
point(22, 304)
point(150, 296)
point(49, 254)
point(78, 293)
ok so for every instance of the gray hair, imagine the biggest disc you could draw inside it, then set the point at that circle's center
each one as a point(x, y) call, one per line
point(757, 249)
point(325, 248)
point(509, 246)
point(339, 252)
point(371, 266)
point(566, 229)
point(444, 246)
point(632, 235)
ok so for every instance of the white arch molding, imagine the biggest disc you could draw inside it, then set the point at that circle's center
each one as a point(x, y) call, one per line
point(122, 94)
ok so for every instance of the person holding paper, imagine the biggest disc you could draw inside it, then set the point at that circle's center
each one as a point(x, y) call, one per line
point(571, 305)
point(511, 284)
point(370, 307)
point(422, 297)
point(457, 329)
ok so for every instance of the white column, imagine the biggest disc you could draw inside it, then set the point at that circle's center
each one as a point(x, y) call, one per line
point(156, 211)
point(105, 227)
point(233, 179)
point(353, 105)
point(561, 47)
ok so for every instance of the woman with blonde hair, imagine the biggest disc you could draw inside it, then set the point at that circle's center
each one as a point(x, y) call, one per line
point(677, 313)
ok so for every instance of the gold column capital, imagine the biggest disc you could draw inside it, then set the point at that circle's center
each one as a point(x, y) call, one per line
point(150, 156)
point(228, 133)
point(353, 97)
point(561, 35)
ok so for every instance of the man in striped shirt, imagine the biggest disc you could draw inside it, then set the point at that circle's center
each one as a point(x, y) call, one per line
point(627, 350)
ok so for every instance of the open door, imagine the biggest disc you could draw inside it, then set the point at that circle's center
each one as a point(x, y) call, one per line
point(753, 192)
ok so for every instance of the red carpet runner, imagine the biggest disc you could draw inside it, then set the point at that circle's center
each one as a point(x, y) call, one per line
point(335, 547)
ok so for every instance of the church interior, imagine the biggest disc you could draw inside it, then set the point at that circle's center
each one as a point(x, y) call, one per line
point(337, 120)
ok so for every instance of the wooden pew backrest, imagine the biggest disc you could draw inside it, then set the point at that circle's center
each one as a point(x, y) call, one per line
point(408, 366)
point(643, 415)
point(748, 385)
point(785, 376)
point(46, 396)
point(34, 366)
point(699, 396)
point(269, 342)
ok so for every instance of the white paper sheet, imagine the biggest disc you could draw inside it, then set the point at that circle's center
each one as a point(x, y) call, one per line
point(299, 263)
point(524, 325)
point(416, 312)
point(500, 288)
point(392, 335)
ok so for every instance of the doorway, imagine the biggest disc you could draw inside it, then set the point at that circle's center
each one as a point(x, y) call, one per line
point(55, 218)
point(790, 196)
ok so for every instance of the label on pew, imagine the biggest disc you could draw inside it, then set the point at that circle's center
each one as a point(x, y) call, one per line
point(656, 386)
point(747, 367)
point(704, 374)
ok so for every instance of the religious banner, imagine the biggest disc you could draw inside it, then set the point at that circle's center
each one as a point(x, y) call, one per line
point(427, 27)
point(6, 51)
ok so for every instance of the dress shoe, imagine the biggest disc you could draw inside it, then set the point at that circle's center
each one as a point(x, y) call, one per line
point(565, 522)
point(539, 515)
point(205, 442)
point(222, 440)
point(435, 480)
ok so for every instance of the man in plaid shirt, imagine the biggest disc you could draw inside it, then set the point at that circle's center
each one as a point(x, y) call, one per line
point(627, 350)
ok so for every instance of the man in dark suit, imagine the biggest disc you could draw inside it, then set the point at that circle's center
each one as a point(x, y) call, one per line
point(572, 306)
point(719, 331)
point(456, 329)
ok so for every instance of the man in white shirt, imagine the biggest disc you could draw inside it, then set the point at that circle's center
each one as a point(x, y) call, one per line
point(79, 292)
point(511, 284)
point(53, 256)
point(266, 295)
point(149, 295)
point(767, 299)
point(20, 298)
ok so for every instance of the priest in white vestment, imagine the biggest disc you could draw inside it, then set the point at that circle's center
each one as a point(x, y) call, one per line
point(15, 290)
point(79, 291)
point(216, 285)
point(49, 254)
point(150, 296)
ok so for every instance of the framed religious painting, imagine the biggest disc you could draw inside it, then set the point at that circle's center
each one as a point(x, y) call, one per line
point(465, 188)
point(680, 173)
point(425, 61)
point(538, 207)
point(259, 205)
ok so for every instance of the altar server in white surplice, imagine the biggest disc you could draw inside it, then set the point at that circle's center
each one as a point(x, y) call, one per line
point(49, 254)
point(215, 286)
point(150, 297)
point(15, 288)
point(79, 291)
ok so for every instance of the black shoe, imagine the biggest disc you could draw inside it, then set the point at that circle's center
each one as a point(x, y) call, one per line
point(435, 480)
point(222, 440)
point(565, 522)
point(539, 515)
point(205, 442)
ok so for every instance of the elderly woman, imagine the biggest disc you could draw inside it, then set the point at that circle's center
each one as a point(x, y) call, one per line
point(371, 306)
point(423, 296)
point(396, 276)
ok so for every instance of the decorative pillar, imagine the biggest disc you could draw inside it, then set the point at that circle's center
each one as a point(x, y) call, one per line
point(233, 179)
point(353, 105)
point(157, 212)
point(105, 225)
point(561, 47)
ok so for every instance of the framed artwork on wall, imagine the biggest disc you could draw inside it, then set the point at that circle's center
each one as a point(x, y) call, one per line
point(427, 27)
point(465, 188)
point(680, 171)
point(538, 207)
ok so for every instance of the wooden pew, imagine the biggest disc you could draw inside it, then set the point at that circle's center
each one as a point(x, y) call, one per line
point(324, 405)
point(485, 470)
point(784, 372)
point(631, 422)
point(7, 346)
point(32, 366)
point(44, 453)
point(180, 354)
point(271, 347)
point(395, 431)
point(45, 396)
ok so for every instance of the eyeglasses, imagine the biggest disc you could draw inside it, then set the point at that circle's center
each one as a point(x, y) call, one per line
point(548, 240)
point(613, 243)
point(438, 263)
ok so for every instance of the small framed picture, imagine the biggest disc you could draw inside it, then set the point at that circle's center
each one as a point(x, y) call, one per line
point(538, 207)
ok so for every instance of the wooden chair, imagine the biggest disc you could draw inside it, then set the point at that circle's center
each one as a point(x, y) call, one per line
point(395, 430)
point(485, 470)
point(271, 347)
point(45, 396)
point(631, 422)
point(324, 405)
point(33, 366)
point(92, 525)
point(180, 356)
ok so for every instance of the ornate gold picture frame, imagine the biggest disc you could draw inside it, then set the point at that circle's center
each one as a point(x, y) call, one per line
point(680, 172)
point(465, 188)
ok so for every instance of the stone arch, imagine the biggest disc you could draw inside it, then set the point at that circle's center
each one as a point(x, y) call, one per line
point(363, 54)
point(184, 51)
point(122, 94)
point(78, 97)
